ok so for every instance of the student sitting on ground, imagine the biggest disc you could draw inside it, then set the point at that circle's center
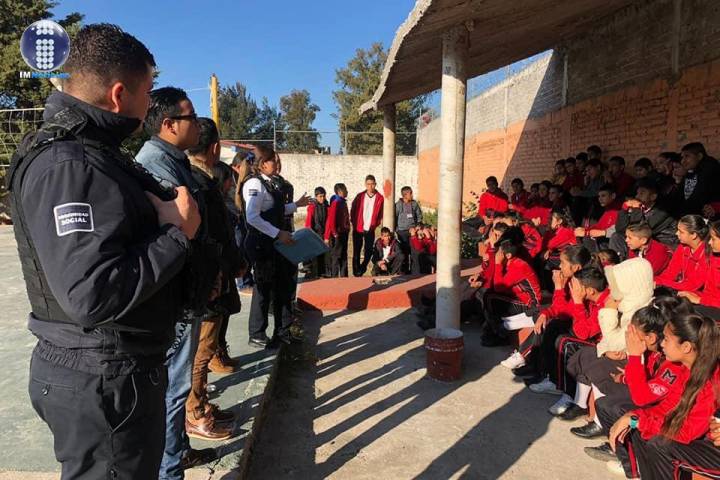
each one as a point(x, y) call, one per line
point(640, 243)
point(520, 198)
point(708, 301)
point(674, 429)
point(533, 242)
point(317, 213)
point(423, 246)
point(538, 350)
point(645, 379)
point(589, 292)
point(492, 200)
point(387, 256)
point(559, 235)
point(688, 267)
point(597, 236)
point(515, 289)
point(541, 207)
point(618, 177)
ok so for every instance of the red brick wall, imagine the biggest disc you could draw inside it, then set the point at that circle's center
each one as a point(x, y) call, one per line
point(634, 121)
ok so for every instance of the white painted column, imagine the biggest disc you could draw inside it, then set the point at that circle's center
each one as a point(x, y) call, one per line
point(452, 149)
point(388, 183)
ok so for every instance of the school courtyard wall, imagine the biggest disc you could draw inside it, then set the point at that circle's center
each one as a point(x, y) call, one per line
point(644, 81)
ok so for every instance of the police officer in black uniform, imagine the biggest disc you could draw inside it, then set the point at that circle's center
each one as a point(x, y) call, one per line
point(101, 246)
point(265, 211)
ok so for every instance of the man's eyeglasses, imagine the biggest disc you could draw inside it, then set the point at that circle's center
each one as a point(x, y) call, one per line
point(192, 117)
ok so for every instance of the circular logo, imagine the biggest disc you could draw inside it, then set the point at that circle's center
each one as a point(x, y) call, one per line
point(45, 46)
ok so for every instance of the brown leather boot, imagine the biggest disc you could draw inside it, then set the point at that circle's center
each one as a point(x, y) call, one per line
point(205, 428)
point(220, 416)
point(221, 362)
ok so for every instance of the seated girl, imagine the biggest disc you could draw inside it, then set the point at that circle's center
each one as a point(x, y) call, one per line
point(559, 235)
point(708, 301)
point(688, 267)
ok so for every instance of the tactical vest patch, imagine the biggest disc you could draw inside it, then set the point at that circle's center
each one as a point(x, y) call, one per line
point(73, 217)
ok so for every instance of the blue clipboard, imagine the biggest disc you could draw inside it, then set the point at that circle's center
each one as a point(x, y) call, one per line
point(308, 245)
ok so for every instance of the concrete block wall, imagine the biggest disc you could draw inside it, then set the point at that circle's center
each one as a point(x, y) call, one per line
point(644, 81)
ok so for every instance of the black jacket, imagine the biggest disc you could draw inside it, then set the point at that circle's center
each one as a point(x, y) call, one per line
point(111, 268)
point(707, 176)
point(663, 225)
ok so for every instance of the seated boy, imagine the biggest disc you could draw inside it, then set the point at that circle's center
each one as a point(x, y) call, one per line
point(423, 246)
point(640, 243)
point(387, 256)
point(597, 236)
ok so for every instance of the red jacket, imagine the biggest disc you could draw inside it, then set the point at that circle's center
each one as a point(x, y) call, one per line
point(696, 424)
point(575, 180)
point(623, 184)
point(533, 240)
point(585, 317)
point(338, 219)
point(356, 212)
point(658, 254)
point(651, 381)
point(607, 219)
point(711, 291)
point(517, 281)
point(561, 305)
point(687, 270)
point(425, 245)
point(520, 201)
point(540, 208)
point(556, 240)
point(498, 202)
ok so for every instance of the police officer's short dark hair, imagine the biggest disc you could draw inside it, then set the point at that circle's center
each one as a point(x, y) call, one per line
point(370, 177)
point(208, 135)
point(320, 191)
point(108, 54)
point(164, 103)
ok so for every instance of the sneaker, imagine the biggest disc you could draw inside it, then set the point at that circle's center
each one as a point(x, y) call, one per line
point(561, 406)
point(573, 413)
point(589, 430)
point(516, 360)
point(602, 452)
point(259, 342)
point(546, 386)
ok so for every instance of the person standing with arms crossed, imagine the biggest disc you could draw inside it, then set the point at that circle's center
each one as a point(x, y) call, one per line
point(366, 214)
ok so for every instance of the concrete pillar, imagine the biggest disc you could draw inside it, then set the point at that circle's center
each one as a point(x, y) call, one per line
point(452, 149)
point(388, 183)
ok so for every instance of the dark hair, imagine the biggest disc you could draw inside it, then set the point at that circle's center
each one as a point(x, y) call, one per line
point(581, 157)
point(592, 277)
point(595, 149)
point(648, 184)
point(577, 255)
point(608, 187)
point(339, 187)
point(557, 187)
point(264, 152)
point(512, 215)
point(644, 162)
point(560, 162)
point(617, 159)
point(491, 179)
point(651, 319)
point(108, 54)
point(570, 160)
point(641, 229)
point(611, 255)
point(518, 180)
point(501, 227)
point(208, 136)
point(704, 335)
point(514, 235)
point(564, 215)
point(221, 172)
point(320, 191)
point(405, 189)
point(696, 224)
point(534, 185)
point(164, 103)
point(547, 184)
point(370, 177)
point(671, 156)
point(595, 163)
point(243, 156)
point(509, 247)
point(385, 230)
point(696, 148)
point(715, 227)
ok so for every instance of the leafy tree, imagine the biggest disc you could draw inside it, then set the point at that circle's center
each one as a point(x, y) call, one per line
point(268, 119)
point(357, 83)
point(298, 113)
point(16, 16)
point(238, 112)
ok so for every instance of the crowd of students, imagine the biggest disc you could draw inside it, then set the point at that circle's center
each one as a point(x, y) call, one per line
point(619, 276)
point(410, 249)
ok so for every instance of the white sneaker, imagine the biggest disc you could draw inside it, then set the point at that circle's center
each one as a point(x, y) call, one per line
point(614, 466)
point(516, 360)
point(561, 405)
point(546, 386)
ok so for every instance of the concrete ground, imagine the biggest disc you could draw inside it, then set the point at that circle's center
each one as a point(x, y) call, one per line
point(26, 443)
point(354, 403)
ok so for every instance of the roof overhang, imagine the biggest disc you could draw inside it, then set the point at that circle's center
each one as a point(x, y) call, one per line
point(504, 31)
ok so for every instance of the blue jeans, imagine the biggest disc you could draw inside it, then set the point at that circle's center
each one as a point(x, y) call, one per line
point(179, 364)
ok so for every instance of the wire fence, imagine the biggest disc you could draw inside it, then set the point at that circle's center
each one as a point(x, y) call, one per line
point(14, 124)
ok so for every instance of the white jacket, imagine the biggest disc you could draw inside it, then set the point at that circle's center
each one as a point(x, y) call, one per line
point(632, 284)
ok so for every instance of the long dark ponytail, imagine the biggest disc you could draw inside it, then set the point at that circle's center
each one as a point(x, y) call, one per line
point(704, 334)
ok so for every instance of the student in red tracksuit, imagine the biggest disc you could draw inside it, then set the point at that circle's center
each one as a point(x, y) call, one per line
point(674, 429)
point(337, 231)
point(492, 201)
point(316, 220)
point(520, 198)
point(708, 301)
point(514, 289)
point(423, 248)
point(533, 242)
point(688, 267)
point(561, 234)
point(540, 207)
point(646, 378)
point(597, 236)
point(638, 237)
point(366, 215)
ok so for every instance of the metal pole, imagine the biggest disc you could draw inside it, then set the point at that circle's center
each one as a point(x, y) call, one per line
point(274, 136)
point(214, 108)
point(388, 185)
point(452, 149)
